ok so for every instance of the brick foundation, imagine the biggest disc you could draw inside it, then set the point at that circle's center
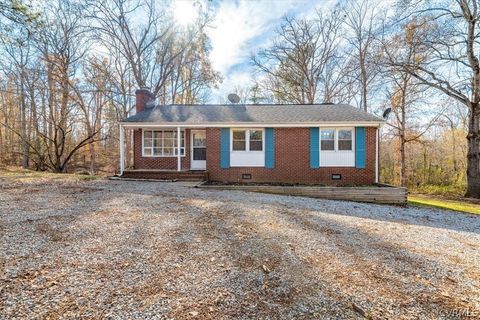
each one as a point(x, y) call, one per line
point(166, 175)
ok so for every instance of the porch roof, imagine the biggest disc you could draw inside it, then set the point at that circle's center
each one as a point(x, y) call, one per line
point(252, 114)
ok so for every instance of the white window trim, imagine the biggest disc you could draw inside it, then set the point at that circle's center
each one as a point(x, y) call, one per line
point(335, 141)
point(163, 156)
point(247, 140)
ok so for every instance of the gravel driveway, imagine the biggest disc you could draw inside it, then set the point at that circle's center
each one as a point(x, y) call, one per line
point(150, 250)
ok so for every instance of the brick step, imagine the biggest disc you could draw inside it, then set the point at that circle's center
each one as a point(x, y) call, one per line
point(166, 175)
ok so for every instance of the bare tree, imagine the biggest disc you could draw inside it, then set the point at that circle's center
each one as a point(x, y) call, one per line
point(91, 98)
point(146, 44)
point(409, 121)
point(193, 73)
point(173, 64)
point(256, 95)
point(62, 47)
point(18, 49)
point(304, 64)
point(362, 20)
point(72, 77)
point(453, 67)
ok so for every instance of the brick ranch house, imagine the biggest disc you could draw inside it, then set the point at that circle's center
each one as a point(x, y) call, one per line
point(325, 144)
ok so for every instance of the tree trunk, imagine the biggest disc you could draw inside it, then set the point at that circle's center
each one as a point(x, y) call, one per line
point(50, 120)
point(92, 157)
point(3, 140)
point(473, 155)
point(23, 121)
point(473, 136)
point(403, 140)
point(40, 165)
point(403, 169)
point(60, 136)
point(363, 74)
point(424, 179)
point(454, 154)
point(2, 144)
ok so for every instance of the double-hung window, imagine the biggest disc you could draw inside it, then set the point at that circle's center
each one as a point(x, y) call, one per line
point(337, 147)
point(327, 141)
point(162, 143)
point(247, 140)
point(239, 138)
point(339, 139)
point(345, 139)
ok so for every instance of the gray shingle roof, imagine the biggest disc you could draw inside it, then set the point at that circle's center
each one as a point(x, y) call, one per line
point(269, 114)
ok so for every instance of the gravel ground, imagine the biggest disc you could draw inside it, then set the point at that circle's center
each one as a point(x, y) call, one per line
point(152, 250)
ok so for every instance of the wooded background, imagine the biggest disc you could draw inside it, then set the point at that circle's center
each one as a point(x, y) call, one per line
point(69, 70)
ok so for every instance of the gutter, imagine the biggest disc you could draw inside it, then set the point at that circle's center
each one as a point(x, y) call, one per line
point(251, 124)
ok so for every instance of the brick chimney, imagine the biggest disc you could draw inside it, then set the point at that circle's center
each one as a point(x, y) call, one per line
point(142, 97)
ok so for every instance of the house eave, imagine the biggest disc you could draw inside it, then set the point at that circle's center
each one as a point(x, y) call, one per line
point(251, 124)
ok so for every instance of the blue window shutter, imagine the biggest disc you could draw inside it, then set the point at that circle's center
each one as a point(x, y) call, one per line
point(314, 148)
point(225, 148)
point(360, 140)
point(269, 148)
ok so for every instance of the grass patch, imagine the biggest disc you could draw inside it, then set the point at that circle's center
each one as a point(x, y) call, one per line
point(24, 175)
point(447, 191)
point(455, 205)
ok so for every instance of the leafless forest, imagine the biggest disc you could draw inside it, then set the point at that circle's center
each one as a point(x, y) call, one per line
point(69, 69)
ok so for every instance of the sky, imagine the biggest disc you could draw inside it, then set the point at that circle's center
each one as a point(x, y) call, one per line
point(238, 29)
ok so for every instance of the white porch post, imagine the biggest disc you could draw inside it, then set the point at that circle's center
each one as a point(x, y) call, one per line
point(129, 159)
point(122, 149)
point(179, 159)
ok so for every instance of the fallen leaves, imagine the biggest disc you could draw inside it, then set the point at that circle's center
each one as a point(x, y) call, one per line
point(145, 250)
point(266, 269)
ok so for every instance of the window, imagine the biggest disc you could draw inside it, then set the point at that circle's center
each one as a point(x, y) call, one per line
point(345, 140)
point(337, 147)
point(247, 140)
point(162, 143)
point(239, 140)
point(328, 139)
point(336, 139)
point(255, 140)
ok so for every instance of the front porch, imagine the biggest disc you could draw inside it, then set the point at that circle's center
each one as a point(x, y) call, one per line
point(162, 152)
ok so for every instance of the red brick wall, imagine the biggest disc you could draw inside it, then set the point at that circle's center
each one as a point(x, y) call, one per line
point(167, 163)
point(292, 161)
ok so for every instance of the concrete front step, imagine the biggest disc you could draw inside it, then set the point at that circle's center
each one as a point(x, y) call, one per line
point(166, 175)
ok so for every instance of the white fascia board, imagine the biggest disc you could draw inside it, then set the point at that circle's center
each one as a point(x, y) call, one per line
point(251, 125)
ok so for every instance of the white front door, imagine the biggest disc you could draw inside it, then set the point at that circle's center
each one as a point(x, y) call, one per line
point(199, 150)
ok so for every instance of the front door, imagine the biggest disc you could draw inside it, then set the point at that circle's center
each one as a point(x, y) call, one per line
point(199, 150)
